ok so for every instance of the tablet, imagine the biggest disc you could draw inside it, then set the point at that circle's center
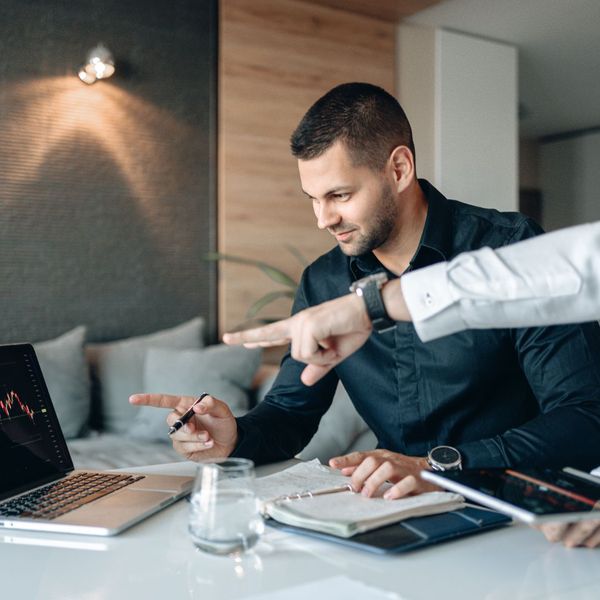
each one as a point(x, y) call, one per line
point(530, 495)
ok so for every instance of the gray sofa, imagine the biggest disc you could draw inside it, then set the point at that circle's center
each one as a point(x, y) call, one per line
point(90, 385)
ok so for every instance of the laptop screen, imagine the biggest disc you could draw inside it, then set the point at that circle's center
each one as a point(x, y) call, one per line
point(31, 442)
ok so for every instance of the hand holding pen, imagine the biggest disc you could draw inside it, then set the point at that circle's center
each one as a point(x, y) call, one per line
point(186, 416)
point(211, 428)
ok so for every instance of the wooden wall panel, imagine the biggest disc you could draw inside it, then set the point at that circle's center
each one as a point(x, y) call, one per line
point(387, 10)
point(276, 58)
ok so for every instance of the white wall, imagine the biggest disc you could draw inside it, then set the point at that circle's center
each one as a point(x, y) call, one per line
point(415, 61)
point(529, 152)
point(570, 180)
point(462, 91)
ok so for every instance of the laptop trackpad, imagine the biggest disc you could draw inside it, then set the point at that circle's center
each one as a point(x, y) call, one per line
point(116, 509)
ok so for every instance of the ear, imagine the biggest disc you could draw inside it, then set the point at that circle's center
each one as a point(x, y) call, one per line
point(402, 166)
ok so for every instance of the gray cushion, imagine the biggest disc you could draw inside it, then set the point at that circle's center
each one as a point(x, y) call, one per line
point(118, 368)
point(66, 374)
point(224, 372)
point(340, 427)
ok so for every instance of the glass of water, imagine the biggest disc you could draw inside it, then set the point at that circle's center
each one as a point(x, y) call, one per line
point(224, 513)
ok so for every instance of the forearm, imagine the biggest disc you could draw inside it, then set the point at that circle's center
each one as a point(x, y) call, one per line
point(269, 433)
point(552, 279)
point(394, 301)
point(546, 441)
point(285, 421)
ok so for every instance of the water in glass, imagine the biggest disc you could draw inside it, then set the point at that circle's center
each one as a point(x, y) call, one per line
point(224, 513)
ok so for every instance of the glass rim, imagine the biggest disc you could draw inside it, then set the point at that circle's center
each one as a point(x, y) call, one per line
point(227, 463)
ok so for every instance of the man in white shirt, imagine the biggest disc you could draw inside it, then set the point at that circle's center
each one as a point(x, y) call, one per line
point(550, 279)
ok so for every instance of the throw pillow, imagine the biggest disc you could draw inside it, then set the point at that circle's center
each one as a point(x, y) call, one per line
point(338, 430)
point(118, 369)
point(341, 429)
point(66, 373)
point(225, 372)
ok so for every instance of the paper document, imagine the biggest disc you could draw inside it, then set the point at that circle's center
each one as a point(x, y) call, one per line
point(303, 477)
point(286, 497)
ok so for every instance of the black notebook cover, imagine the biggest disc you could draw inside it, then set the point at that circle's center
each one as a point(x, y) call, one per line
point(414, 533)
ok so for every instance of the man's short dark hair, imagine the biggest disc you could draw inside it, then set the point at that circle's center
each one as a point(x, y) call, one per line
point(368, 120)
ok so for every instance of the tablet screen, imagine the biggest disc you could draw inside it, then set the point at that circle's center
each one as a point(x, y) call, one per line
point(540, 492)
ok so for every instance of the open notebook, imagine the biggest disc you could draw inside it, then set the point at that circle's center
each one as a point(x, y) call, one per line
point(313, 496)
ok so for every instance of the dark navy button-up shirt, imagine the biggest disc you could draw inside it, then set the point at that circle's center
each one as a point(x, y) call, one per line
point(503, 397)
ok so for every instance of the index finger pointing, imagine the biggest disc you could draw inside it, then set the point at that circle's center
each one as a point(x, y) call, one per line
point(275, 332)
point(160, 400)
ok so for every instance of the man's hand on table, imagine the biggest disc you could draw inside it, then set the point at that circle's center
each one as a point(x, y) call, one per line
point(369, 470)
point(582, 533)
point(210, 433)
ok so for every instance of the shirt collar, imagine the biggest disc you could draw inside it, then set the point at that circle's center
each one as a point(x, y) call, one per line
point(435, 243)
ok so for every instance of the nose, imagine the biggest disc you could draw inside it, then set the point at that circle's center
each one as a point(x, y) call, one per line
point(327, 215)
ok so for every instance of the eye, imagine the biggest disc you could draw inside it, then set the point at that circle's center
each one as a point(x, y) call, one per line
point(342, 196)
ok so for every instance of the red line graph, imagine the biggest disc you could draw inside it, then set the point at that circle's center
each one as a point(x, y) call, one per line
point(7, 404)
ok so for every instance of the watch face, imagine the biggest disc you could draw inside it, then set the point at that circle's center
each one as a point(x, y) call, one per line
point(445, 455)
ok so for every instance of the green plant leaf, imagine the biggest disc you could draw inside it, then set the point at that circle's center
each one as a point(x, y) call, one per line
point(267, 299)
point(273, 273)
point(278, 276)
point(297, 254)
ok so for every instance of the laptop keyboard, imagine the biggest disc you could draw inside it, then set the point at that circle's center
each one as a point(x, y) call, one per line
point(58, 498)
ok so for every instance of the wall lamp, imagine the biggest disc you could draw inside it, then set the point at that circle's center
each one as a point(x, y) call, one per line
point(99, 64)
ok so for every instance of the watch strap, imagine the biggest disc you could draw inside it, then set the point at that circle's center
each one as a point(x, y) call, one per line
point(369, 288)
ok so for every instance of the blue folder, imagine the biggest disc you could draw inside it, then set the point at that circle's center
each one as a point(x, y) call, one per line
point(415, 533)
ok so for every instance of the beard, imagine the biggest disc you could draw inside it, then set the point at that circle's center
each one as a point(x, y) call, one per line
point(377, 231)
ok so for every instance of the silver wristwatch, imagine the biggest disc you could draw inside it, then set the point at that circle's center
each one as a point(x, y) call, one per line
point(369, 289)
point(444, 458)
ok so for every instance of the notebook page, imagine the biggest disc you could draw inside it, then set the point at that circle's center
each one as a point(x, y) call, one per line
point(356, 508)
point(307, 476)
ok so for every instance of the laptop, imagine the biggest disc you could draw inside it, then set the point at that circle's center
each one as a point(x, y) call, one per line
point(530, 495)
point(39, 488)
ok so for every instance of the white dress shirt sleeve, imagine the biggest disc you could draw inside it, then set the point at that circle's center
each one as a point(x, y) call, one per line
point(550, 279)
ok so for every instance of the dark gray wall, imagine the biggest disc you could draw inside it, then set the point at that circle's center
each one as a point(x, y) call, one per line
point(107, 199)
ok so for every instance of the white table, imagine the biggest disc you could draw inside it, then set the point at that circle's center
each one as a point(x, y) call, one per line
point(156, 559)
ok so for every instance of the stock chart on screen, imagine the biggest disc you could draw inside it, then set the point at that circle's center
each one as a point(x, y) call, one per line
point(31, 443)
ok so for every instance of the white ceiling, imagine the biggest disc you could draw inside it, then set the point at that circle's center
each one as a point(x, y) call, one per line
point(559, 54)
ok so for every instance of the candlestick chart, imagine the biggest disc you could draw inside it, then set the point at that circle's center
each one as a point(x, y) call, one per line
point(22, 411)
point(31, 443)
point(12, 407)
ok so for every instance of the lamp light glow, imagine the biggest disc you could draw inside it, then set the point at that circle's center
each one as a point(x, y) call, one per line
point(99, 65)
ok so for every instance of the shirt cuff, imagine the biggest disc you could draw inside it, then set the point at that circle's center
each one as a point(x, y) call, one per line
point(483, 454)
point(244, 448)
point(433, 309)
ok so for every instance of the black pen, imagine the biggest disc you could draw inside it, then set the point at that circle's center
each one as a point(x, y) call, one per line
point(186, 416)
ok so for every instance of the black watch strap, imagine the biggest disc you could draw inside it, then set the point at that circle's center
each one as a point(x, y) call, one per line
point(369, 288)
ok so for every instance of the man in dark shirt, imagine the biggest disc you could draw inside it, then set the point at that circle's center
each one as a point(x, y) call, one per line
point(497, 397)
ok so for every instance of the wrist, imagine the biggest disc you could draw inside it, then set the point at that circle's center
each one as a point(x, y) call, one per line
point(394, 302)
point(369, 289)
point(423, 463)
point(359, 310)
